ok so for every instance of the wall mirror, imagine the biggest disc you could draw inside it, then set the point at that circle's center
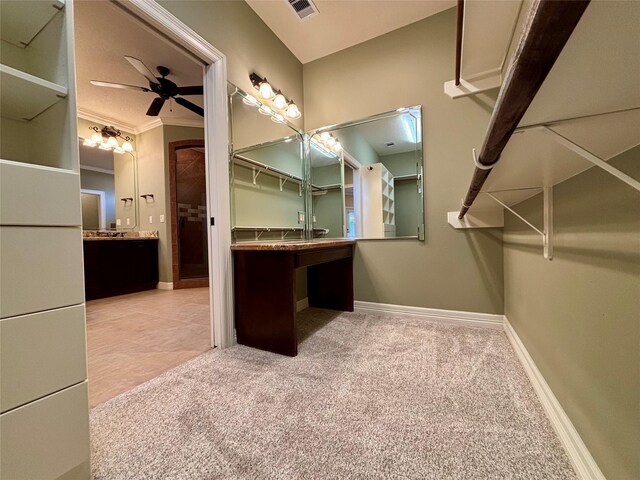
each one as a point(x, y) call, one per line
point(108, 189)
point(267, 173)
point(373, 187)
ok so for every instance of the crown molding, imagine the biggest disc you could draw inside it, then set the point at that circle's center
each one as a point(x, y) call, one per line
point(103, 120)
point(169, 122)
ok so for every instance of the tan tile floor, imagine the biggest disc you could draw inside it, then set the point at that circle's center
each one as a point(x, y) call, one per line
point(134, 338)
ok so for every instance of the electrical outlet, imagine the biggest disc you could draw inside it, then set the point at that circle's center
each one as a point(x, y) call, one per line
point(128, 221)
point(300, 217)
point(161, 218)
point(314, 219)
point(118, 222)
point(150, 218)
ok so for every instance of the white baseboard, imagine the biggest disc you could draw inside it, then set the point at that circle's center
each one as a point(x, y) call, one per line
point(302, 304)
point(165, 286)
point(580, 457)
point(469, 319)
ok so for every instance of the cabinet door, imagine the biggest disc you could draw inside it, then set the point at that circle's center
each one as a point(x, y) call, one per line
point(41, 353)
point(41, 269)
point(47, 438)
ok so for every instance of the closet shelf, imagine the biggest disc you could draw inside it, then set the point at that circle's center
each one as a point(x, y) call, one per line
point(21, 21)
point(25, 96)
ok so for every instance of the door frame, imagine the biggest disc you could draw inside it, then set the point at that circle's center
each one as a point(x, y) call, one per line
point(173, 200)
point(216, 159)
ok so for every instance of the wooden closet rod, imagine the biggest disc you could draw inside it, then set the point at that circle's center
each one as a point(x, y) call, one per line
point(459, 40)
point(549, 26)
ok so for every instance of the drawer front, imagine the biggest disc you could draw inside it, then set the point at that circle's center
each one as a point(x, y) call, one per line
point(41, 353)
point(40, 269)
point(35, 195)
point(305, 259)
point(45, 439)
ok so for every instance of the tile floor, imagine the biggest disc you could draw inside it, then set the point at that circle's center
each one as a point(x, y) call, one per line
point(134, 338)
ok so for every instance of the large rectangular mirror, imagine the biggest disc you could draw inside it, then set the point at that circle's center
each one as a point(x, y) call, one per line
point(267, 173)
point(108, 189)
point(378, 168)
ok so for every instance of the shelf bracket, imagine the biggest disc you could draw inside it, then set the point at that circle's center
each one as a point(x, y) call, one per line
point(283, 180)
point(597, 161)
point(255, 174)
point(547, 232)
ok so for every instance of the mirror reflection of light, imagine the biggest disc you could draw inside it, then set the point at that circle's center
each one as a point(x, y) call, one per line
point(409, 128)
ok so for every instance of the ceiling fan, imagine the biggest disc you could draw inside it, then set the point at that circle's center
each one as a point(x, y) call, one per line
point(165, 89)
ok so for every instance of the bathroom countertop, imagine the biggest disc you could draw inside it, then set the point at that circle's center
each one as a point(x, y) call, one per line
point(92, 235)
point(293, 245)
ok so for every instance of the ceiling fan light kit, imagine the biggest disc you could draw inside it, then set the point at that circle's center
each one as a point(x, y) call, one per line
point(271, 98)
point(164, 89)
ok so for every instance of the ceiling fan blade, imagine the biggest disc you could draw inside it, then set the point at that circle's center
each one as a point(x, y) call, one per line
point(98, 83)
point(191, 106)
point(142, 68)
point(193, 90)
point(155, 107)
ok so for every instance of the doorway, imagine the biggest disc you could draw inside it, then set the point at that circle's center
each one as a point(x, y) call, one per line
point(188, 196)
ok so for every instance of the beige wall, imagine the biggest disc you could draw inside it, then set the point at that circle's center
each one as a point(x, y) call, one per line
point(249, 45)
point(579, 314)
point(458, 270)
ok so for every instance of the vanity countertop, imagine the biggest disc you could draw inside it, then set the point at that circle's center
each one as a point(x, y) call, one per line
point(293, 245)
point(92, 235)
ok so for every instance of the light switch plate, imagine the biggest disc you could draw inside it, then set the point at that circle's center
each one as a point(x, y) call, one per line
point(161, 218)
point(300, 217)
point(150, 218)
point(118, 222)
point(128, 221)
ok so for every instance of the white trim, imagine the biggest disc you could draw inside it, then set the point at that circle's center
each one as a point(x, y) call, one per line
point(165, 286)
point(172, 122)
point(216, 160)
point(102, 120)
point(580, 457)
point(102, 206)
point(97, 169)
point(469, 319)
point(302, 304)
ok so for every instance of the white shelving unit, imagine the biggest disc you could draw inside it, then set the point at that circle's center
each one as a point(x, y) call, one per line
point(43, 371)
point(378, 202)
point(586, 112)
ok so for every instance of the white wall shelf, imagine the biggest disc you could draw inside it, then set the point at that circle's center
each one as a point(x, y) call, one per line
point(25, 96)
point(21, 21)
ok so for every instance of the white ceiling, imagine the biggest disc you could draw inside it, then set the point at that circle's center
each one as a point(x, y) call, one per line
point(341, 24)
point(104, 34)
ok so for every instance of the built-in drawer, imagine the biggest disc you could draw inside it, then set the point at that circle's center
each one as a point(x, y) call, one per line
point(41, 353)
point(47, 438)
point(40, 269)
point(37, 195)
point(305, 259)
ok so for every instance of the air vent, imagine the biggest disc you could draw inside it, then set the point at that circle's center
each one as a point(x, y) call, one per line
point(303, 8)
point(390, 144)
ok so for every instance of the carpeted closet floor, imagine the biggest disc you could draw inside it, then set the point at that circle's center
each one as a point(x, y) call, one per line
point(366, 397)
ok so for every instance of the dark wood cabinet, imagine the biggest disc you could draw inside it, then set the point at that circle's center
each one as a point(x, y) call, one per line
point(116, 267)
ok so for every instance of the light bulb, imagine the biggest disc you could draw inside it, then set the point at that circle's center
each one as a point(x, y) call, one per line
point(112, 142)
point(277, 118)
point(292, 110)
point(265, 89)
point(104, 146)
point(127, 146)
point(250, 100)
point(265, 110)
point(331, 141)
point(96, 138)
point(118, 150)
point(87, 142)
point(279, 101)
point(325, 136)
point(337, 147)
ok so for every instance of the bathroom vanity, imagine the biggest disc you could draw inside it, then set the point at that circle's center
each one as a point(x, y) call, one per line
point(265, 287)
point(116, 263)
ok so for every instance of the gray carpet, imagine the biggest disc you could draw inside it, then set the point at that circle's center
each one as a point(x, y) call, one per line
point(366, 397)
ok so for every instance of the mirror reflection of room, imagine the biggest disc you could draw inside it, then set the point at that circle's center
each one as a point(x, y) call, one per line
point(144, 200)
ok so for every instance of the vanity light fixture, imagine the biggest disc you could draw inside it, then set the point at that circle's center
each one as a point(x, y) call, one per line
point(274, 99)
point(107, 139)
point(327, 141)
